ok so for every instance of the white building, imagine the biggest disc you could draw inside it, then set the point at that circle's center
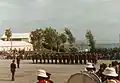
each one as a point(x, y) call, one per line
point(18, 37)
point(19, 41)
point(18, 45)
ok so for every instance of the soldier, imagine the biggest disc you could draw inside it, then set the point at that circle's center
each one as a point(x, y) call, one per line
point(88, 57)
point(93, 58)
point(60, 58)
point(36, 58)
point(18, 61)
point(84, 58)
point(96, 58)
point(80, 58)
point(40, 58)
point(51, 56)
point(68, 58)
point(72, 58)
point(64, 60)
point(76, 58)
point(48, 58)
point(44, 58)
point(55, 57)
point(33, 58)
point(13, 67)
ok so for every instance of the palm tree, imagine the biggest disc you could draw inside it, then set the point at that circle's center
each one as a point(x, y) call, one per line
point(8, 34)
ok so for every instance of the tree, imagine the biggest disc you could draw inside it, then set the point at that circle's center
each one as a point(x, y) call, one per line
point(90, 39)
point(50, 36)
point(63, 38)
point(37, 38)
point(70, 37)
point(58, 41)
point(73, 49)
point(8, 34)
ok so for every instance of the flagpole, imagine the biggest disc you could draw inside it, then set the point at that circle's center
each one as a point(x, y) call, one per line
point(11, 43)
point(119, 41)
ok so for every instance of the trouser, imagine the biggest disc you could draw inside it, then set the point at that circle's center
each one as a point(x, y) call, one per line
point(89, 60)
point(64, 61)
point(48, 61)
point(55, 61)
point(67, 61)
point(60, 61)
point(18, 65)
point(40, 61)
point(85, 61)
point(76, 61)
point(33, 61)
point(80, 61)
point(52, 61)
point(44, 61)
point(72, 61)
point(13, 75)
point(36, 61)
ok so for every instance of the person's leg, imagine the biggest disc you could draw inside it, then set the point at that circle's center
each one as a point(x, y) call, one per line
point(13, 73)
point(18, 65)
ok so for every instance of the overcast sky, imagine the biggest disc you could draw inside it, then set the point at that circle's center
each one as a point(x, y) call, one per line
point(102, 17)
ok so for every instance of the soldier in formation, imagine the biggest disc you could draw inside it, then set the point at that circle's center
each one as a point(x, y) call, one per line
point(65, 58)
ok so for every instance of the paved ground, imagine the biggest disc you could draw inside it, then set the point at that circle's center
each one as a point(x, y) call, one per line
point(28, 71)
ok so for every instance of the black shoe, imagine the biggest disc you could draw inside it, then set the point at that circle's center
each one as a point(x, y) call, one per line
point(13, 80)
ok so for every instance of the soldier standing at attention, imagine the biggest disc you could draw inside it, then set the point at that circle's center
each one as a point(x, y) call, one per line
point(76, 58)
point(55, 57)
point(48, 58)
point(51, 57)
point(36, 57)
point(13, 67)
point(40, 58)
point(18, 61)
point(59, 57)
point(33, 58)
point(72, 58)
point(44, 58)
point(64, 60)
point(80, 58)
point(84, 58)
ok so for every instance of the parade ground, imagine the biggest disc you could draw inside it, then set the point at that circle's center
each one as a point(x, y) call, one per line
point(28, 71)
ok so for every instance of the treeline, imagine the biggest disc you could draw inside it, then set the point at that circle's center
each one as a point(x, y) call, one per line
point(50, 39)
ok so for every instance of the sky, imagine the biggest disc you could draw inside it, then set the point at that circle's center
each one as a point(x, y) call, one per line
point(102, 17)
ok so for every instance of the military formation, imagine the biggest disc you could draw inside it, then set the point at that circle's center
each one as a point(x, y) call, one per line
point(64, 58)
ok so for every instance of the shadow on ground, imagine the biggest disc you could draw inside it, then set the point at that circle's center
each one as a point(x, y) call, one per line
point(4, 79)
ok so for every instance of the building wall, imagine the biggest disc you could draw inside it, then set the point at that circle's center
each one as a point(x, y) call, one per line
point(18, 39)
